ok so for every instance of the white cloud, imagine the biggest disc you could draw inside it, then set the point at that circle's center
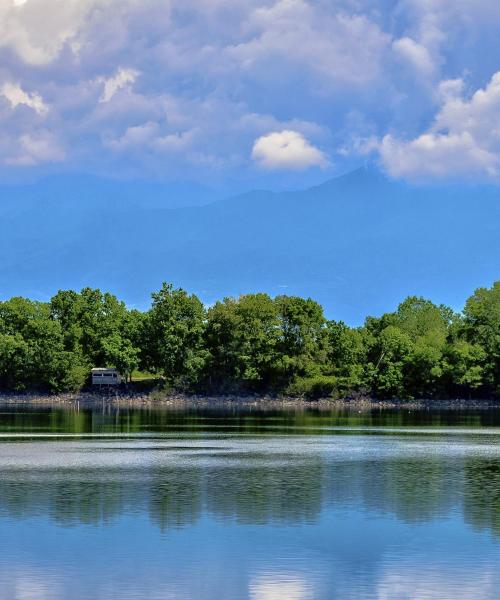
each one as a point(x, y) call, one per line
point(204, 67)
point(450, 89)
point(16, 95)
point(37, 148)
point(37, 30)
point(416, 54)
point(436, 30)
point(216, 77)
point(440, 14)
point(463, 142)
point(437, 156)
point(149, 136)
point(138, 135)
point(479, 115)
point(287, 150)
point(336, 47)
point(121, 79)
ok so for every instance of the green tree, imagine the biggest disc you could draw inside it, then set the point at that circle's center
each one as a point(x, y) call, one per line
point(121, 354)
point(346, 353)
point(243, 337)
point(87, 319)
point(99, 329)
point(32, 348)
point(173, 336)
point(254, 343)
point(302, 339)
point(15, 367)
point(421, 318)
point(481, 326)
point(388, 355)
point(463, 368)
point(416, 368)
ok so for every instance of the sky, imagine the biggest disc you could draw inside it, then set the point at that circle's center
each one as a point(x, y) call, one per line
point(240, 94)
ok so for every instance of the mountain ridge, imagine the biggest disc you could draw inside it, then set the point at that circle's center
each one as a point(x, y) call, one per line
point(358, 244)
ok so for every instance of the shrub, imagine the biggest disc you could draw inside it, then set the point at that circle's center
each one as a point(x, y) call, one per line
point(313, 388)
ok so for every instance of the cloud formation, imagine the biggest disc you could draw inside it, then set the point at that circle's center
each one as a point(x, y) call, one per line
point(463, 141)
point(164, 88)
point(35, 149)
point(121, 79)
point(36, 31)
point(287, 150)
point(16, 96)
point(332, 47)
point(416, 54)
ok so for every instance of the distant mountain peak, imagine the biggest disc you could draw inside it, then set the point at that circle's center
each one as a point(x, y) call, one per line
point(361, 178)
point(358, 244)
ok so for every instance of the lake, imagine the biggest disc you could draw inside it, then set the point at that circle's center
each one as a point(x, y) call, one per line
point(105, 504)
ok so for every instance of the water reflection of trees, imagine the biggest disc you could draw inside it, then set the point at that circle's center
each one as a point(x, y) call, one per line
point(413, 490)
point(175, 496)
point(284, 491)
point(482, 494)
point(105, 418)
point(256, 489)
point(69, 496)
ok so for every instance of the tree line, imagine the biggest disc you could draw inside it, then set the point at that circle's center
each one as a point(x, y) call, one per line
point(253, 344)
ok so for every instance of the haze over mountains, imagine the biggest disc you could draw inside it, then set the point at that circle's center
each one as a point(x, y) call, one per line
point(358, 244)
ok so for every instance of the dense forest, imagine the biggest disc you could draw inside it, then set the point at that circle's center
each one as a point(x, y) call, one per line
point(253, 344)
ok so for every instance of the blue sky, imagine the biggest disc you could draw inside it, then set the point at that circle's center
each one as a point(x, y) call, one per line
point(250, 93)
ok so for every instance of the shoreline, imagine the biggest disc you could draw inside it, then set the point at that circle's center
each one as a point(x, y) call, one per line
point(185, 402)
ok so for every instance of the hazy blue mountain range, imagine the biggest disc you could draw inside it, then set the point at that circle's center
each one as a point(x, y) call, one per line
point(358, 244)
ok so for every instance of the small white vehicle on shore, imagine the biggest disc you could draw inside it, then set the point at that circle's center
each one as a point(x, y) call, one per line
point(103, 376)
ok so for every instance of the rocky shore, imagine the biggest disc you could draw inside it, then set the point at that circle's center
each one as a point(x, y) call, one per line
point(180, 401)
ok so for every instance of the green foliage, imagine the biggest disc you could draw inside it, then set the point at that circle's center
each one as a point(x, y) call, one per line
point(243, 337)
point(173, 336)
point(481, 326)
point(406, 348)
point(389, 353)
point(253, 343)
point(121, 354)
point(88, 319)
point(313, 388)
point(346, 352)
point(32, 353)
point(420, 318)
point(463, 366)
point(302, 340)
point(72, 374)
point(14, 362)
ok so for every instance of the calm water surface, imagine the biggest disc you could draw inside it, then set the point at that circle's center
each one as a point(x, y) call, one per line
point(102, 504)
